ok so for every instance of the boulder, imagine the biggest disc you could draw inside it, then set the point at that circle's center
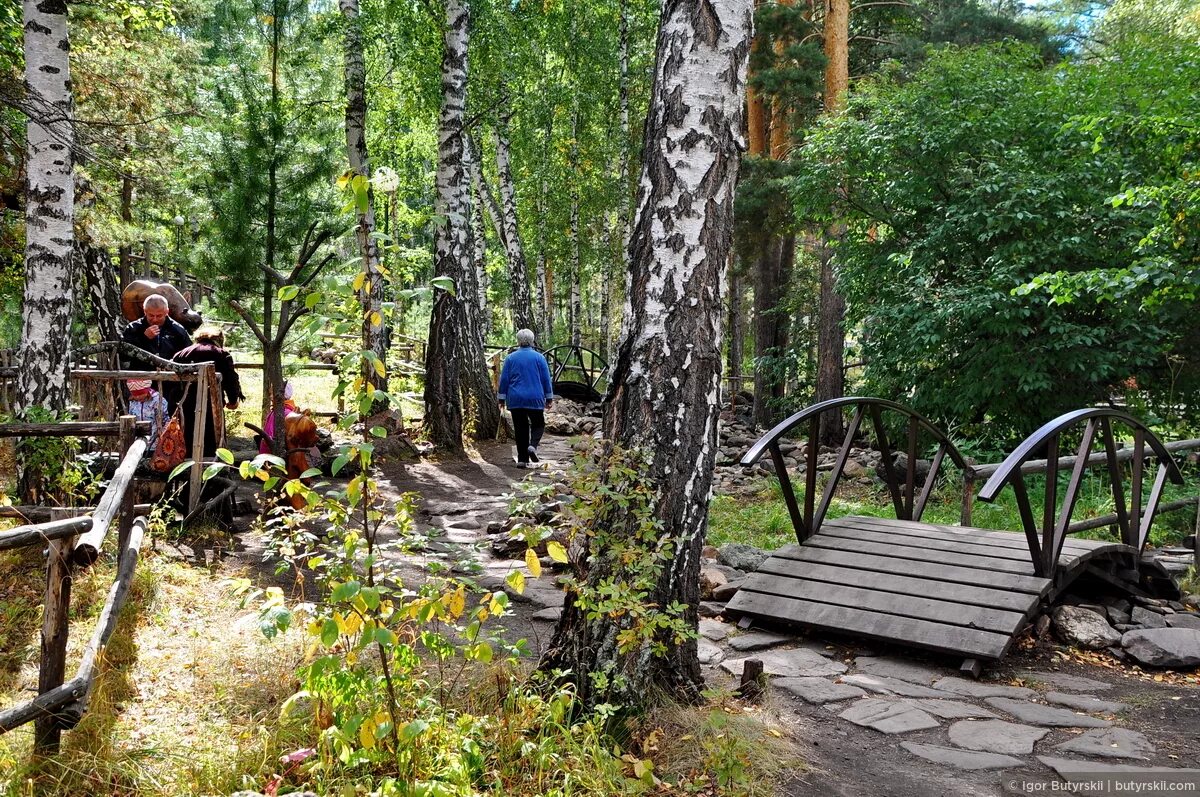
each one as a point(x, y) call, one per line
point(1084, 628)
point(1147, 618)
point(710, 580)
point(746, 558)
point(1164, 647)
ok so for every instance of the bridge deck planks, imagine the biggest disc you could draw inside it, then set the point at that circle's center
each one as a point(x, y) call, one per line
point(955, 590)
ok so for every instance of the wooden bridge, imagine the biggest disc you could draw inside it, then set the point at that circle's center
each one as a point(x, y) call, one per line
point(952, 589)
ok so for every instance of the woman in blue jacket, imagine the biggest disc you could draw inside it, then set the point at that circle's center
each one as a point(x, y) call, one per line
point(525, 388)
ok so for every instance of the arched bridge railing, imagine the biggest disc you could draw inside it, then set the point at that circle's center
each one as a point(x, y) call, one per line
point(908, 504)
point(1133, 520)
point(577, 372)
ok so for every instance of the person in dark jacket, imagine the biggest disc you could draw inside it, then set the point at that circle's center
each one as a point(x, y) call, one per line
point(209, 348)
point(156, 332)
point(525, 387)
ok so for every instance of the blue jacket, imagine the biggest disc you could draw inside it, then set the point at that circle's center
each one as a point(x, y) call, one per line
point(525, 380)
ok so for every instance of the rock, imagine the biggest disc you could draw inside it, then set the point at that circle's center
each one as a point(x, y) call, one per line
point(1164, 647)
point(960, 759)
point(746, 558)
point(965, 688)
point(725, 592)
point(711, 609)
point(949, 709)
point(1184, 620)
point(1086, 703)
point(550, 614)
point(891, 686)
point(710, 579)
point(903, 669)
point(1041, 626)
point(708, 552)
point(714, 629)
point(1084, 628)
point(855, 469)
point(788, 663)
point(756, 640)
point(1116, 616)
point(1049, 716)
point(708, 651)
point(1077, 772)
point(996, 736)
point(888, 716)
point(817, 690)
point(1147, 618)
point(1069, 683)
point(1110, 743)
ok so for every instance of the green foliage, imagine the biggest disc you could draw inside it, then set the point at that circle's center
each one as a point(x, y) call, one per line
point(965, 184)
point(50, 472)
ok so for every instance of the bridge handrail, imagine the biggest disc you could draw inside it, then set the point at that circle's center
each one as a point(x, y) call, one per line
point(907, 505)
point(1045, 544)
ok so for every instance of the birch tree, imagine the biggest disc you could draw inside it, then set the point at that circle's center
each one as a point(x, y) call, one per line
point(443, 355)
point(370, 294)
point(664, 392)
point(514, 250)
point(44, 358)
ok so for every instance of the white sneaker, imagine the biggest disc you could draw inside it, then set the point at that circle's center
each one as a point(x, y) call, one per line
point(533, 457)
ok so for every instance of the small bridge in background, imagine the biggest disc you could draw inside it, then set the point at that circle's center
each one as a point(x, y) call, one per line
point(952, 589)
point(577, 373)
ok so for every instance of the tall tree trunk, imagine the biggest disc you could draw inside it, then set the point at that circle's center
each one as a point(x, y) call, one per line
point(472, 155)
point(478, 393)
point(370, 296)
point(545, 293)
point(831, 338)
point(737, 329)
point(443, 355)
point(663, 394)
point(44, 358)
point(623, 220)
point(103, 294)
point(514, 250)
point(770, 331)
point(573, 309)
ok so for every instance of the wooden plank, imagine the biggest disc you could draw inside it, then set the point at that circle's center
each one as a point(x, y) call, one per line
point(907, 567)
point(909, 585)
point(922, 554)
point(869, 598)
point(843, 619)
point(964, 546)
point(1009, 539)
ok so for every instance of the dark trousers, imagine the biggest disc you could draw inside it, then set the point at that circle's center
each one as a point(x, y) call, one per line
point(528, 425)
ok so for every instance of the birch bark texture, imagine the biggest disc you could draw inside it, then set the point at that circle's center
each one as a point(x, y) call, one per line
point(443, 354)
point(664, 393)
point(514, 249)
point(44, 357)
point(370, 296)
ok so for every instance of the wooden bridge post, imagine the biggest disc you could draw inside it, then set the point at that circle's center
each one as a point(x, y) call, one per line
point(125, 440)
point(203, 374)
point(47, 734)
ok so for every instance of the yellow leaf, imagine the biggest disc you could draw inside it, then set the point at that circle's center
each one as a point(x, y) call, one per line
point(366, 734)
point(341, 622)
point(376, 318)
point(516, 580)
point(775, 733)
point(531, 561)
point(556, 552)
point(358, 281)
point(379, 369)
point(458, 601)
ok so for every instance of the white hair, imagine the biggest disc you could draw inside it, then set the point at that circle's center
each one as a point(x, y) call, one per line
point(155, 300)
point(524, 337)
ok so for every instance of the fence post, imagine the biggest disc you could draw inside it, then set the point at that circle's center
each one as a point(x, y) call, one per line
point(968, 497)
point(199, 423)
point(55, 623)
point(127, 433)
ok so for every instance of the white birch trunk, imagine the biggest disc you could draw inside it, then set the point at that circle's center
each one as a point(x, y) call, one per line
point(545, 297)
point(44, 357)
point(518, 273)
point(663, 395)
point(443, 361)
point(472, 154)
point(370, 298)
point(573, 309)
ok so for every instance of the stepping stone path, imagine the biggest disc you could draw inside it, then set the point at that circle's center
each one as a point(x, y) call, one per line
point(888, 716)
point(1110, 743)
point(961, 759)
point(1086, 703)
point(1049, 716)
point(996, 736)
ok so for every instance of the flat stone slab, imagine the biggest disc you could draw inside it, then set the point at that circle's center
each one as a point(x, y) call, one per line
point(965, 688)
point(996, 736)
point(1110, 743)
point(1184, 620)
point(961, 759)
point(1067, 683)
point(1093, 777)
point(714, 629)
point(890, 686)
point(1048, 716)
point(549, 614)
point(950, 709)
point(888, 716)
point(788, 663)
point(902, 669)
point(817, 690)
point(1086, 703)
point(709, 652)
point(756, 640)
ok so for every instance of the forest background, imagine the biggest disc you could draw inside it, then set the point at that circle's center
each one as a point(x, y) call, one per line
point(1008, 205)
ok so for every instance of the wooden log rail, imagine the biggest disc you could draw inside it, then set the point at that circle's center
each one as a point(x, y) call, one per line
point(76, 543)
